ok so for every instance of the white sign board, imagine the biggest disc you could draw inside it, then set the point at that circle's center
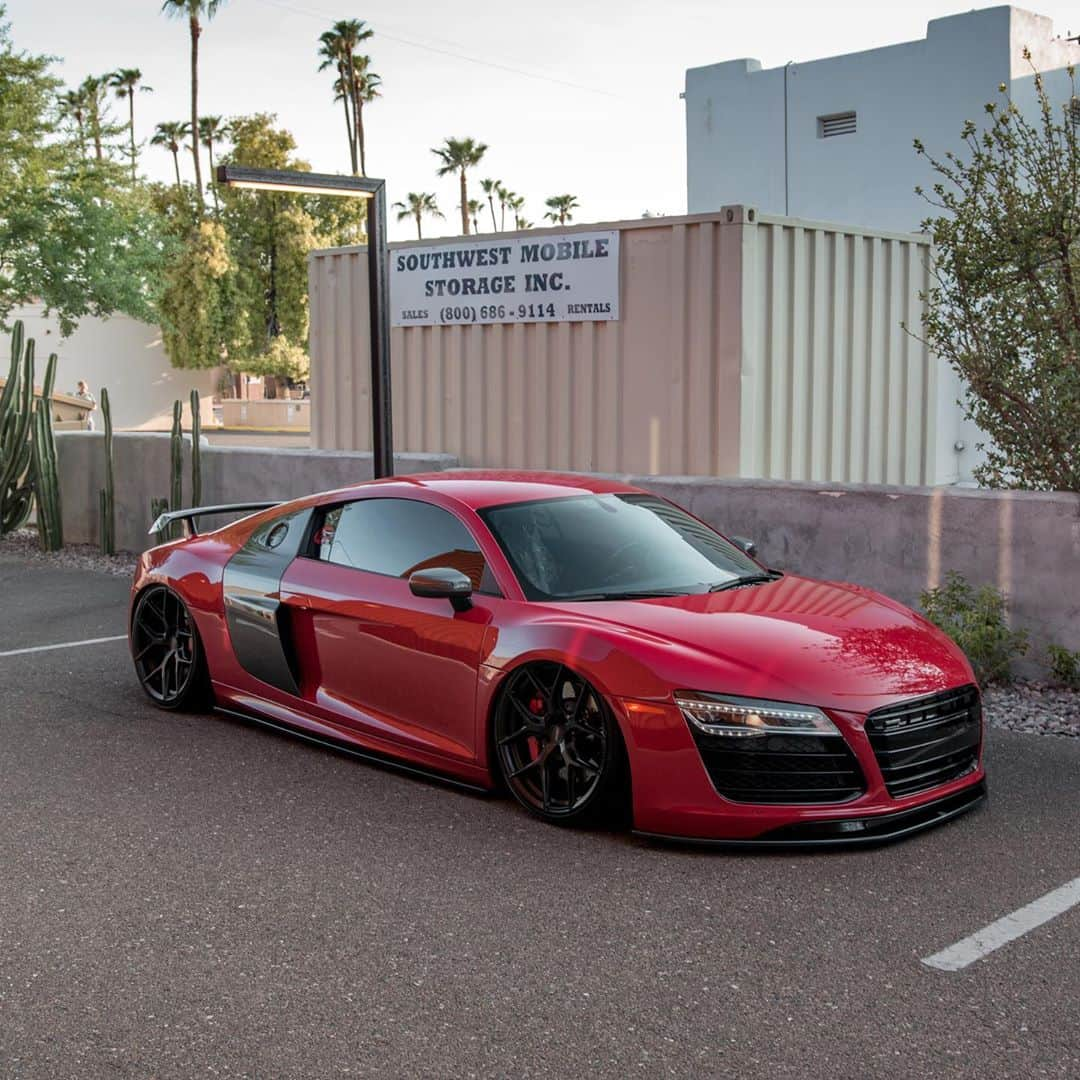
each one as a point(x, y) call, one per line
point(569, 277)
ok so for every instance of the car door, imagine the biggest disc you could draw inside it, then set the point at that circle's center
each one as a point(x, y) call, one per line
point(378, 658)
point(257, 620)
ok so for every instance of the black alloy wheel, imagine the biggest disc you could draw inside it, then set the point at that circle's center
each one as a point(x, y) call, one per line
point(165, 648)
point(556, 743)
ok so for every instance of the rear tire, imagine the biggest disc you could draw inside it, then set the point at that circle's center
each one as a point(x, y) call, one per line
point(557, 744)
point(168, 655)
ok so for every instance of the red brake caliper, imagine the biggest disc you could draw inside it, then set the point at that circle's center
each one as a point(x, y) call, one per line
point(536, 707)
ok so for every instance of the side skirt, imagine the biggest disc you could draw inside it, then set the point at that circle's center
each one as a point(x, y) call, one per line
point(369, 756)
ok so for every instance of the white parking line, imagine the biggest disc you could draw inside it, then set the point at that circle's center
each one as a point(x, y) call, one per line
point(1007, 928)
point(64, 645)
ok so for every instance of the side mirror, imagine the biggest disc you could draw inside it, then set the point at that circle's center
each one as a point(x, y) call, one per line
point(747, 546)
point(443, 582)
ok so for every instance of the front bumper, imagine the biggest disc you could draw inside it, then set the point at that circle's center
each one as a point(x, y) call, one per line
point(676, 796)
point(851, 832)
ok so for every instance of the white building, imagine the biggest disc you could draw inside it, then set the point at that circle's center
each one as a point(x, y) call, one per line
point(831, 139)
point(123, 355)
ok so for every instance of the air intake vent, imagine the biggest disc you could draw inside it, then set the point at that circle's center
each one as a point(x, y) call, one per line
point(777, 769)
point(926, 742)
point(837, 124)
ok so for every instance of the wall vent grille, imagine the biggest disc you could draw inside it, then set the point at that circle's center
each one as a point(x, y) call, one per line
point(837, 124)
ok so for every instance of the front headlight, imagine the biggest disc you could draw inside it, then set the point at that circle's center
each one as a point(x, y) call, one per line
point(719, 714)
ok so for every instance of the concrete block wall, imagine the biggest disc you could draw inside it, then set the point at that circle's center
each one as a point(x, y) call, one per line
point(899, 540)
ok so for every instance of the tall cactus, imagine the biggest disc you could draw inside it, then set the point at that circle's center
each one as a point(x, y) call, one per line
point(108, 502)
point(196, 455)
point(176, 461)
point(45, 471)
point(16, 407)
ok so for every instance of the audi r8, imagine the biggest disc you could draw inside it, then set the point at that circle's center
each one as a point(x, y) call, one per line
point(583, 643)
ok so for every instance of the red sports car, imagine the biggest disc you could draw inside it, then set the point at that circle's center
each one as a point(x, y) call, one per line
point(583, 642)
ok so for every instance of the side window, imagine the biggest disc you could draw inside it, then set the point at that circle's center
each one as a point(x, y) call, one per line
point(284, 535)
point(400, 536)
point(324, 535)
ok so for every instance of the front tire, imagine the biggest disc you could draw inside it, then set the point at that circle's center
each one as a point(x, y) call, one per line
point(557, 744)
point(168, 654)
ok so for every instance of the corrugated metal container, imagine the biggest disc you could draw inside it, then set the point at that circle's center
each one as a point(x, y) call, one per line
point(834, 387)
point(747, 346)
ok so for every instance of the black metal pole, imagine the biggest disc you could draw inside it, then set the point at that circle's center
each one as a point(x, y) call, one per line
point(382, 437)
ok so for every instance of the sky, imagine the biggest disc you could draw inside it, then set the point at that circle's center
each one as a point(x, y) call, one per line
point(571, 96)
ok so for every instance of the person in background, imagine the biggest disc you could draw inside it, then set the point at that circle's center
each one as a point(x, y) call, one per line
point(83, 391)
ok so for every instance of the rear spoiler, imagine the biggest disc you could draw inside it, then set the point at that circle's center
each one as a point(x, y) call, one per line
point(188, 516)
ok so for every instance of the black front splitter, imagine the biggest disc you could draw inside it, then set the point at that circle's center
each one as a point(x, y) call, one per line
point(848, 832)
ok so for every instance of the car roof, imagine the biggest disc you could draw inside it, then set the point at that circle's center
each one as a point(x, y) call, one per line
point(480, 488)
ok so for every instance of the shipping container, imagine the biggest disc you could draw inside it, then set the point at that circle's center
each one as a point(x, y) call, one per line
point(746, 345)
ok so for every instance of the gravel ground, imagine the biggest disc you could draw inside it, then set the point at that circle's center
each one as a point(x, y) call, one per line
point(24, 544)
point(1033, 708)
point(1027, 707)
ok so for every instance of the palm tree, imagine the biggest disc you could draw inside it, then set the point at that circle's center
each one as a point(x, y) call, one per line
point(169, 135)
point(330, 49)
point(491, 188)
point(124, 81)
point(92, 90)
point(517, 204)
point(213, 129)
point(193, 11)
point(457, 156)
point(475, 206)
point(73, 105)
point(505, 197)
point(365, 90)
point(416, 205)
point(560, 208)
point(338, 47)
point(352, 33)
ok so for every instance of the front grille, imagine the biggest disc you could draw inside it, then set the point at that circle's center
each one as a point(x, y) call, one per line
point(780, 768)
point(924, 743)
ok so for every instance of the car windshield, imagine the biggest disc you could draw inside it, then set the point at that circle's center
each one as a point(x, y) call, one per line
point(606, 546)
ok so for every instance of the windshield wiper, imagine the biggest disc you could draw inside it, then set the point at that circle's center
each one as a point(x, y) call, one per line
point(641, 594)
point(746, 579)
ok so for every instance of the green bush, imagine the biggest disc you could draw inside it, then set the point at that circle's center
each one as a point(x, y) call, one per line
point(975, 620)
point(1065, 665)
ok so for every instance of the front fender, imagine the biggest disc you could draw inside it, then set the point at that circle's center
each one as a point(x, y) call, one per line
point(657, 740)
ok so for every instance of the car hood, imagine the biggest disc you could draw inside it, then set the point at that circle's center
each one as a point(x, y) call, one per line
point(794, 639)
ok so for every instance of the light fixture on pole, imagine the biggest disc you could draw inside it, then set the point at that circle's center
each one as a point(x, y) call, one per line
point(349, 187)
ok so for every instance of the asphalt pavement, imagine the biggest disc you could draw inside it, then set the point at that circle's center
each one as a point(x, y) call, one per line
point(193, 896)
